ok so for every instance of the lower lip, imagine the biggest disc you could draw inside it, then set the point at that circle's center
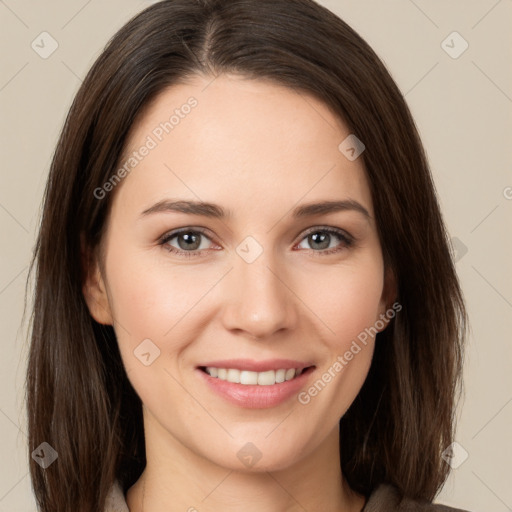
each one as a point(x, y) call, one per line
point(253, 396)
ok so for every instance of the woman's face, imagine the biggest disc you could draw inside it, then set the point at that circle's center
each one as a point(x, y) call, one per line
point(259, 279)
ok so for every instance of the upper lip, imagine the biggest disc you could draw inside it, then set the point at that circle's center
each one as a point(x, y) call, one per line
point(258, 366)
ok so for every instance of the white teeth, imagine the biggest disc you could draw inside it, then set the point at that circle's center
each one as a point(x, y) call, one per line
point(247, 377)
point(280, 375)
point(289, 374)
point(267, 378)
point(233, 375)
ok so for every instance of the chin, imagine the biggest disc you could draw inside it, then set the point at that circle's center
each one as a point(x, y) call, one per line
point(259, 455)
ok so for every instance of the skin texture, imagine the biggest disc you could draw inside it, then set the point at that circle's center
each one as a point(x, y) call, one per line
point(259, 150)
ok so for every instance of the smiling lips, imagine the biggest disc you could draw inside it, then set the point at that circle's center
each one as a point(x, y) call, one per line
point(253, 384)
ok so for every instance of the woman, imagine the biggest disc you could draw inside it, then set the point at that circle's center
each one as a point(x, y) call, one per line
point(193, 348)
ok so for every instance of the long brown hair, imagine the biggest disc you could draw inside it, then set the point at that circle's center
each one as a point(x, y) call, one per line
point(79, 398)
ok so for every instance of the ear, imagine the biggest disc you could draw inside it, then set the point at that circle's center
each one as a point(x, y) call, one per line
point(93, 287)
point(389, 294)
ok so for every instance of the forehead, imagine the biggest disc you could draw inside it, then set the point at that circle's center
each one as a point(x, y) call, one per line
point(247, 143)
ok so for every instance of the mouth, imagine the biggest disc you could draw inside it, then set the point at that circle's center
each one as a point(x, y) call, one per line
point(255, 385)
point(252, 378)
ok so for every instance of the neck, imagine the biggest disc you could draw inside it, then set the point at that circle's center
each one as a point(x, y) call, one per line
point(178, 479)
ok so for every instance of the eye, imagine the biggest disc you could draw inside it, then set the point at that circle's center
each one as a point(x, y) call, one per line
point(189, 242)
point(321, 238)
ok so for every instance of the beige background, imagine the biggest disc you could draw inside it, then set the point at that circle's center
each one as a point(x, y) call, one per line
point(463, 108)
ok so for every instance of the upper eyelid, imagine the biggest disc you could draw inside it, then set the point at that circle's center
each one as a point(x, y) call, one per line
point(329, 229)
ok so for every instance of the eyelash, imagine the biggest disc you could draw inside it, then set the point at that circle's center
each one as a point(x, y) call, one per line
point(347, 241)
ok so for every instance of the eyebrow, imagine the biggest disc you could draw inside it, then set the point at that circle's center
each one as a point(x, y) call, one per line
point(215, 211)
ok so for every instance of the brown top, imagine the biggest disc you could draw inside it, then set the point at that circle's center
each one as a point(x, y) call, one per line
point(383, 499)
point(386, 498)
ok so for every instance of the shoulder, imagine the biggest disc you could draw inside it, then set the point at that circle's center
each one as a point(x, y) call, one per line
point(386, 498)
point(116, 501)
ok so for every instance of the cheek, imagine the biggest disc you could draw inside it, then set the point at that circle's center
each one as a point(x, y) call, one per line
point(151, 299)
point(347, 299)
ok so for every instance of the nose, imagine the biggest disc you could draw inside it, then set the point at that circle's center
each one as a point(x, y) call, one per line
point(259, 302)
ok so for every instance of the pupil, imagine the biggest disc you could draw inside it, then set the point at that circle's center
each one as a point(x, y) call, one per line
point(323, 239)
point(191, 241)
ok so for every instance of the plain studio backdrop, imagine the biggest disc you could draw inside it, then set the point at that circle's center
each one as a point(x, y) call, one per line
point(452, 62)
